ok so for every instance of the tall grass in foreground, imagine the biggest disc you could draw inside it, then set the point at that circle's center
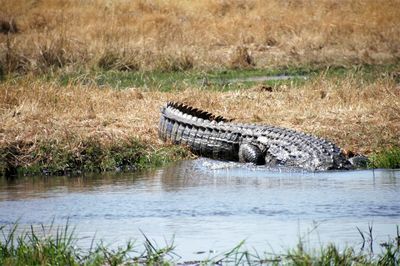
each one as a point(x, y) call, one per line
point(44, 248)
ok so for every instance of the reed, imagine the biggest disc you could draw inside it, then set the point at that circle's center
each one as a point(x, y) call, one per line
point(57, 246)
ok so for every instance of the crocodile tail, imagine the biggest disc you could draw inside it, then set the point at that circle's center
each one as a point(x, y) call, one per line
point(205, 134)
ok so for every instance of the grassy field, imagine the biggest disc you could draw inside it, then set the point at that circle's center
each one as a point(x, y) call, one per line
point(40, 247)
point(169, 35)
point(82, 82)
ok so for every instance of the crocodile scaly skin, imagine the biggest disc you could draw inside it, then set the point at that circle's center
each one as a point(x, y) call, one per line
point(218, 138)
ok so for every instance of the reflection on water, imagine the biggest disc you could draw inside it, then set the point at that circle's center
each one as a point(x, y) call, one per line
point(209, 205)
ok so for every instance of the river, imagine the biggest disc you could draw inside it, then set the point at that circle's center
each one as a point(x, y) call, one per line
point(208, 207)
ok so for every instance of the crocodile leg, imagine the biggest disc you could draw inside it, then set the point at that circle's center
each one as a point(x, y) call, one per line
point(270, 160)
point(249, 153)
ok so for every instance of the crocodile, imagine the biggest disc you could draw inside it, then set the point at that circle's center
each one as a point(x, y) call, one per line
point(220, 138)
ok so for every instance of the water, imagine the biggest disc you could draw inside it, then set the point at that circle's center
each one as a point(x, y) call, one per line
point(209, 207)
point(266, 78)
point(255, 79)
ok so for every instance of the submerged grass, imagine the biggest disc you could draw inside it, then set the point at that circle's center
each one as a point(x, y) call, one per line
point(58, 246)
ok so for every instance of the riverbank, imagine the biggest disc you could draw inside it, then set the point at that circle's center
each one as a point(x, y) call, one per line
point(81, 82)
point(57, 125)
point(41, 247)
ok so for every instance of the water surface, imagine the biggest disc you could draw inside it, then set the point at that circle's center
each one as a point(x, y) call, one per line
point(207, 205)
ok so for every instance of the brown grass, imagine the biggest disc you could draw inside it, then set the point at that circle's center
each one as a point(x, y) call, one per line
point(74, 35)
point(146, 34)
point(362, 118)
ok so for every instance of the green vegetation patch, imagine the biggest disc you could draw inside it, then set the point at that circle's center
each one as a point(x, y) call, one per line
point(223, 79)
point(178, 80)
point(388, 158)
point(90, 155)
point(57, 246)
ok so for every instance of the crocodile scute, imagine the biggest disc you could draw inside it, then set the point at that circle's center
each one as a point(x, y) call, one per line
point(219, 138)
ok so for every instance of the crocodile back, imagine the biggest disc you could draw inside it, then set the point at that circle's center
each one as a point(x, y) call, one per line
point(293, 148)
point(216, 137)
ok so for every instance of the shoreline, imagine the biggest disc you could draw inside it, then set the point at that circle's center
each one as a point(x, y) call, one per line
point(55, 125)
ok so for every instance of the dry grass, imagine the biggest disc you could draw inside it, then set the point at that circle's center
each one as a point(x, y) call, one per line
point(172, 35)
point(362, 118)
point(144, 34)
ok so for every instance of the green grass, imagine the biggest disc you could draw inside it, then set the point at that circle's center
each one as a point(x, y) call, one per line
point(174, 81)
point(44, 247)
point(388, 158)
point(58, 246)
point(219, 79)
point(51, 158)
